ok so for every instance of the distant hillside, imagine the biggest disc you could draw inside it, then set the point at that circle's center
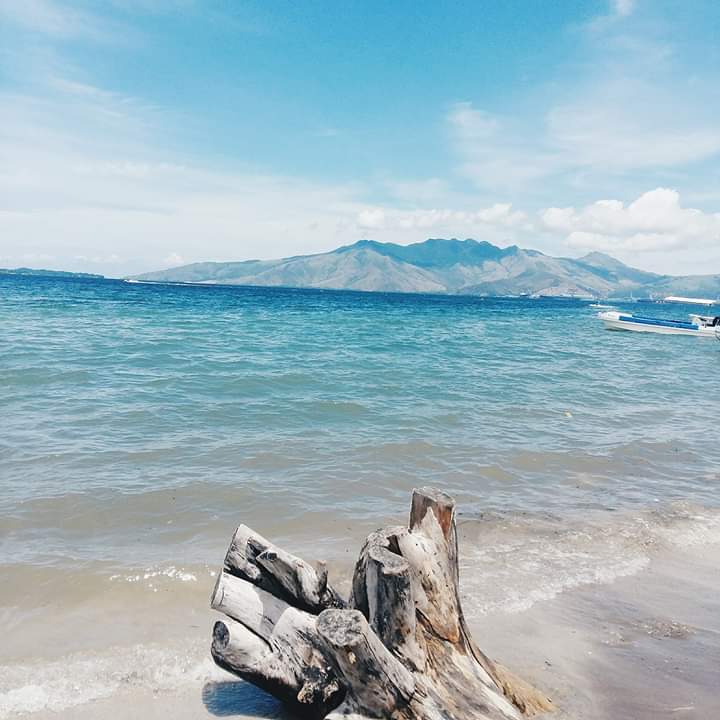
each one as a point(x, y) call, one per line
point(445, 266)
point(50, 273)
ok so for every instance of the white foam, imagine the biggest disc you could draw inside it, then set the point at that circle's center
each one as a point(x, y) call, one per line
point(697, 530)
point(76, 680)
point(511, 565)
point(152, 576)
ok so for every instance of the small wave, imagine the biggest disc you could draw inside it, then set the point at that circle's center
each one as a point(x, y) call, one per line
point(150, 575)
point(511, 563)
point(79, 679)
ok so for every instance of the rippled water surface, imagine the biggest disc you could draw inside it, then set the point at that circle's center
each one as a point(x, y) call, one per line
point(140, 423)
point(125, 406)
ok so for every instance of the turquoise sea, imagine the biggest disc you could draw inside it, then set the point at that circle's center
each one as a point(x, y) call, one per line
point(141, 423)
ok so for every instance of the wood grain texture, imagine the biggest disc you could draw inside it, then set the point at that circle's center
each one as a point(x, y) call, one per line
point(399, 648)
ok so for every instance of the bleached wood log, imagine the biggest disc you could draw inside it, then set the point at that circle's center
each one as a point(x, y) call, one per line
point(382, 590)
point(402, 650)
point(377, 683)
point(253, 558)
point(274, 645)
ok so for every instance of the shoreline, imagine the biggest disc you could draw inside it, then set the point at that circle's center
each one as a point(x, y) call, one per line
point(644, 646)
point(582, 299)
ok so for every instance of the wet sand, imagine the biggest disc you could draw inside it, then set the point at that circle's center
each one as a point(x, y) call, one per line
point(644, 647)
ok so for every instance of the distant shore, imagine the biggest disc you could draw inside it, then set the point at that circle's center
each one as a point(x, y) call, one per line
point(32, 272)
point(545, 295)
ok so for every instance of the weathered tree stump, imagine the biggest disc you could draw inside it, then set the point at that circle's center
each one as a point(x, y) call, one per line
point(399, 648)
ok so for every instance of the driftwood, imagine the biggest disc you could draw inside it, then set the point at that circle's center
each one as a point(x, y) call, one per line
point(399, 648)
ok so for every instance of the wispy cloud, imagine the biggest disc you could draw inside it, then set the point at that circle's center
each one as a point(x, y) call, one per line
point(103, 195)
point(627, 126)
point(626, 110)
point(622, 8)
point(52, 18)
point(82, 170)
point(499, 152)
point(617, 128)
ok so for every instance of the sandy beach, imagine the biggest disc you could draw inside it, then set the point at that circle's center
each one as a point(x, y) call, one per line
point(643, 647)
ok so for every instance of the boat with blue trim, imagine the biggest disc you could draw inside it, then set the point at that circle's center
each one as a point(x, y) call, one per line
point(702, 325)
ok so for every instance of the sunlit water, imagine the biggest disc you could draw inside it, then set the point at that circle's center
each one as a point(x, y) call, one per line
point(140, 423)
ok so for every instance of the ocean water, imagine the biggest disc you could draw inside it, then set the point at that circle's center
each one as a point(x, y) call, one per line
point(140, 423)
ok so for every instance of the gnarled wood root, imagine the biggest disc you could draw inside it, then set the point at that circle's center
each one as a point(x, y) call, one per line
point(400, 647)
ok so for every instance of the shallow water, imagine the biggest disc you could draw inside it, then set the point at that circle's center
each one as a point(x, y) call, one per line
point(140, 423)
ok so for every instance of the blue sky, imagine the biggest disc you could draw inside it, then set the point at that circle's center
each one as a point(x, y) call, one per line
point(138, 134)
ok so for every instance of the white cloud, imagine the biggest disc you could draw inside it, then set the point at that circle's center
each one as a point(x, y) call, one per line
point(622, 8)
point(173, 260)
point(501, 214)
point(450, 221)
point(619, 128)
point(655, 221)
point(473, 125)
point(627, 107)
point(371, 219)
point(110, 259)
point(101, 196)
point(496, 152)
point(31, 258)
point(627, 125)
point(82, 175)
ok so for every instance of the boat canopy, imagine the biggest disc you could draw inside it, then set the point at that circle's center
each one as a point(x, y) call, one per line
point(689, 300)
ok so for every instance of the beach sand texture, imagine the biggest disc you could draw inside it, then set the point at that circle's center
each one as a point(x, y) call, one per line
point(643, 646)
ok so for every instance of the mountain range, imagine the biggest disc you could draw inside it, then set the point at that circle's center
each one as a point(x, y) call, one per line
point(445, 266)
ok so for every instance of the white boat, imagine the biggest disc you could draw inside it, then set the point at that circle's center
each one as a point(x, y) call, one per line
point(701, 325)
point(690, 301)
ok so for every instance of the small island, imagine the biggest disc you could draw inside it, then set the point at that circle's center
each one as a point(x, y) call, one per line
point(49, 273)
